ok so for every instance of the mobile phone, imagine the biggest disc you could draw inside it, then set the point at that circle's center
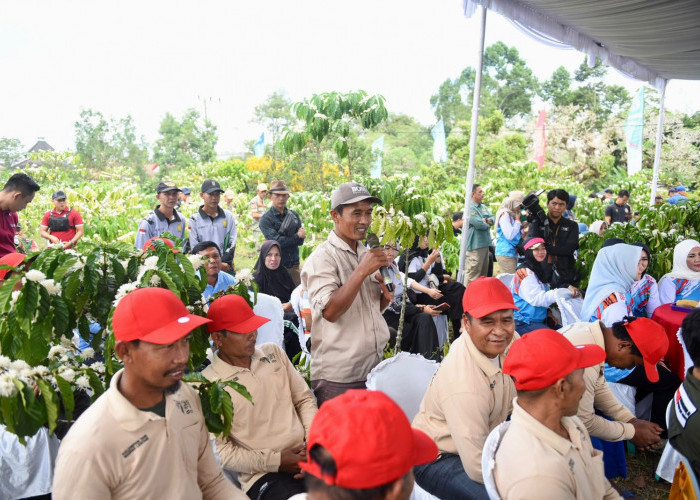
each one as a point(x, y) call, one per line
point(442, 307)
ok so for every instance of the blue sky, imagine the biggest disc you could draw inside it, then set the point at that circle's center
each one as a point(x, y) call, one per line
point(146, 58)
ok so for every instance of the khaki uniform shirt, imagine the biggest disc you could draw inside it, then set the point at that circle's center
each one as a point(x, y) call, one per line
point(279, 417)
point(347, 350)
point(535, 462)
point(468, 396)
point(598, 395)
point(114, 450)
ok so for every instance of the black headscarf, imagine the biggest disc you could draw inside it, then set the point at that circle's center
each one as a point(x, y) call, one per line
point(277, 282)
point(415, 251)
point(543, 270)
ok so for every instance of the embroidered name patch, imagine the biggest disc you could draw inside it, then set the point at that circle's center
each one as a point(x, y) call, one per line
point(184, 406)
point(134, 445)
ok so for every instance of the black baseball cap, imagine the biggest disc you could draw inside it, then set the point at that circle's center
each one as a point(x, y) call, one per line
point(59, 195)
point(165, 186)
point(211, 186)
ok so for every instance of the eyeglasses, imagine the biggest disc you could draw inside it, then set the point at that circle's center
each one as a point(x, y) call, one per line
point(391, 247)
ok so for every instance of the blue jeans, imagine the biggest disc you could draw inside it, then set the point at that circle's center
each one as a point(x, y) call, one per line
point(521, 327)
point(445, 478)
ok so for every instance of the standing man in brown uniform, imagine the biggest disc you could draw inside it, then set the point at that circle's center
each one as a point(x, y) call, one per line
point(349, 332)
point(469, 395)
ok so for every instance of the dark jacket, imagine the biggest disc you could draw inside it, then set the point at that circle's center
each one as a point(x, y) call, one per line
point(561, 240)
point(289, 242)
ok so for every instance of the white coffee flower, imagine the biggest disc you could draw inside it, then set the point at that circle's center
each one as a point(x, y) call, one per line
point(98, 367)
point(15, 296)
point(88, 353)
point(155, 280)
point(51, 286)
point(79, 264)
point(66, 342)
point(7, 386)
point(82, 382)
point(246, 276)
point(197, 261)
point(151, 262)
point(123, 290)
point(19, 365)
point(41, 371)
point(68, 374)
point(5, 363)
point(35, 275)
point(56, 351)
point(190, 309)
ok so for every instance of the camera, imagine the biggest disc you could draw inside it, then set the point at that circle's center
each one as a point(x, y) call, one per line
point(531, 203)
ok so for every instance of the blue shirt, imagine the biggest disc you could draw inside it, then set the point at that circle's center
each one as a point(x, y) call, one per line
point(223, 281)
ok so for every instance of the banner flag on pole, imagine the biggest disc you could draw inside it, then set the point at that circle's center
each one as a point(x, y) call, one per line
point(634, 132)
point(377, 153)
point(259, 146)
point(540, 138)
point(439, 143)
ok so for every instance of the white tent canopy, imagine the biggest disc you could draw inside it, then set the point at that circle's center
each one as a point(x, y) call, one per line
point(650, 40)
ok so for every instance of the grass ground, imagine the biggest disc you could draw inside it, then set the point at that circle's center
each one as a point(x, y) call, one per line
point(640, 481)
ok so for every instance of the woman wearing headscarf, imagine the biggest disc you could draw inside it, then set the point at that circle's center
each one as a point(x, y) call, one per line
point(425, 267)
point(569, 212)
point(598, 227)
point(683, 282)
point(644, 293)
point(530, 288)
point(274, 279)
point(614, 270)
point(508, 234)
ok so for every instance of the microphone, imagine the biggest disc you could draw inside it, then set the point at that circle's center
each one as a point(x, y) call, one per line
point(373, 242)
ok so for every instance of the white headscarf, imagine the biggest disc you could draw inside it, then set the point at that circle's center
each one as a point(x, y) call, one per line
point(680, 264)
point(595, 227)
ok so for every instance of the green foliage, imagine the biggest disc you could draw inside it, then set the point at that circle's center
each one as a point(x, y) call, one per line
point(185, 142)
point(11, 151)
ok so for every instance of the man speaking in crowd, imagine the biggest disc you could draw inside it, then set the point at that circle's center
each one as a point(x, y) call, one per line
point(349, 332)
point(561, 239)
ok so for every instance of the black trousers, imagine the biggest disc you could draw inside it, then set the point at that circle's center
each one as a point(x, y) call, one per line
point(276, 486)
point(419, 334)
point(452, 293)
point(662, 390)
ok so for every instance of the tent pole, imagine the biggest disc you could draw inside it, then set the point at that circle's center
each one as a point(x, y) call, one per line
point(472, 148)
point(659, 139)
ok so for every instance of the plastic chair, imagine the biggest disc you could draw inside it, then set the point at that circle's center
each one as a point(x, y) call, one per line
point(27, 471)
point(569, 308)
point(685, 482)
point(404, 378)
point(296, 301)
point(671, 457)
point(488, 458)
point(506, 279)
point(273, 331)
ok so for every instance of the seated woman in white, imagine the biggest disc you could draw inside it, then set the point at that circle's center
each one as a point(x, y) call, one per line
point(683, 282)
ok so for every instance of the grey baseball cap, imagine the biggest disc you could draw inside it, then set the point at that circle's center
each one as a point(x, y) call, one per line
point(58, 195)
point(351, 192)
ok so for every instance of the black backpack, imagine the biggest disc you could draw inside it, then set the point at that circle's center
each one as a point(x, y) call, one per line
point(58, 224)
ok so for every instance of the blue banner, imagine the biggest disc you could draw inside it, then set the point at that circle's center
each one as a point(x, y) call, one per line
point(259, 146)
point(634, 133)
point(439, 144)
point(377, 152)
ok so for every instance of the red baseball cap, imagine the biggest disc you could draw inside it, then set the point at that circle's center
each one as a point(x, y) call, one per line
point(232, 313)
point(540, 358)
point(150, 246)
point(651, 340)
point(370, 439)
point(486, 295)
point(11, 259)
point(154, 315)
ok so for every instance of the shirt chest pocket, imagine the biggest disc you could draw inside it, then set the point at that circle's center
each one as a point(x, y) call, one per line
point(189, 445)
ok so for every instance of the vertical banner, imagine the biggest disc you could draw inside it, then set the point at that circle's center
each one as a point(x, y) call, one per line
point(439, 143)
point(540, 139)
point(259, 146)
point(634, 132)
point(377, 152)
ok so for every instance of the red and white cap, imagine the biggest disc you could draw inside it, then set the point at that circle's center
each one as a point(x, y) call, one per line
point(486, 295)
point(232, 313)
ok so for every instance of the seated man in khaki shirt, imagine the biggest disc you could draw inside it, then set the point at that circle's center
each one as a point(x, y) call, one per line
point(641, 341)
point(469, 395)
point(145, 437)
point(349, 332)
point(546, 452)
point(267, 437)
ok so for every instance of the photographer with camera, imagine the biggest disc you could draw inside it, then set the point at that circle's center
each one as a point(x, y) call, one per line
point(560, 236)
point(284, 226)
